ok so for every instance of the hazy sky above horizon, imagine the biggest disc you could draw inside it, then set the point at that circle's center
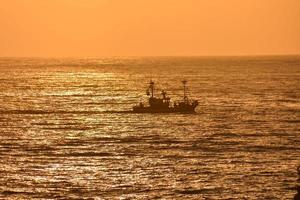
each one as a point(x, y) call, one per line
point(95, 28)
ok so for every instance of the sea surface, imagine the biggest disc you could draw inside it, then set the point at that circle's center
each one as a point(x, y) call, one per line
point(63, 134)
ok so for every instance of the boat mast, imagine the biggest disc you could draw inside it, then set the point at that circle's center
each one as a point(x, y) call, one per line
point(151, 87)
point(184, 90)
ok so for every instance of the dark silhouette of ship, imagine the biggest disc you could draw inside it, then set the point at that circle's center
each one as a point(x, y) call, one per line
point(163, 104)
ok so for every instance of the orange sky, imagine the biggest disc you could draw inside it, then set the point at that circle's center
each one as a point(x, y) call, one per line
point(95, 28)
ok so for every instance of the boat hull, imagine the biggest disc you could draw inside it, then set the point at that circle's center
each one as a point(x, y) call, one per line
point(169, 110)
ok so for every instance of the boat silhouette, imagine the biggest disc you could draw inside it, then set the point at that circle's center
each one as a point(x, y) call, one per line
point(163, 104)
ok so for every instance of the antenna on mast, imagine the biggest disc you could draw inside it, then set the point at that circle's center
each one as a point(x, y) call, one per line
point(151, 87)
point(184, 82)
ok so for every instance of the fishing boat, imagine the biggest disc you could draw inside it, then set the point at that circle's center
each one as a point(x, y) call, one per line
point(163, 104)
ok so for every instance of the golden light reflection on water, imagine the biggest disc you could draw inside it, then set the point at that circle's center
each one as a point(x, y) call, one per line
point(57, 142)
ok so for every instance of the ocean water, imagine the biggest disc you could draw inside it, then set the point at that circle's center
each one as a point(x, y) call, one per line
point(62, 135)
